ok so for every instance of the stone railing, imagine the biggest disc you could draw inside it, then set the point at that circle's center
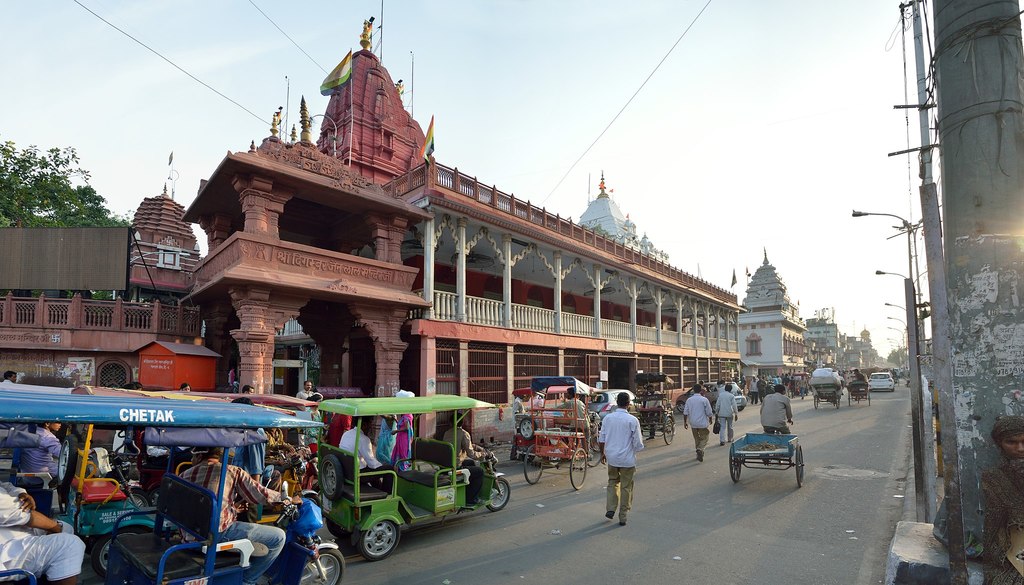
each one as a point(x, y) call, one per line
point(573, 324)
point(615, 330)
point(648, 334)
point(533, 318)
point(453, 180)
point(117, 315)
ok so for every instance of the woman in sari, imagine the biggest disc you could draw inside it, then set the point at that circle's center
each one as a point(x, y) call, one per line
point(403, 436)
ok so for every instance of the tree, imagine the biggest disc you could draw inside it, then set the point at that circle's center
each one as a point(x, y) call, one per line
point(898, 356)
point(36, 190)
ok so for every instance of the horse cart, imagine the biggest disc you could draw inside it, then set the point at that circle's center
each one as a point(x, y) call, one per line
point(857, 391)
point(653, 408)
point(766, 451)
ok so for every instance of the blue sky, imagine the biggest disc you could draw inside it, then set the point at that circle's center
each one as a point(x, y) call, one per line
point(764, 128)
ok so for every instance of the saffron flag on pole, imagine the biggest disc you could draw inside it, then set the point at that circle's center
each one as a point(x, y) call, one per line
point(428, 143)
point(338, 77)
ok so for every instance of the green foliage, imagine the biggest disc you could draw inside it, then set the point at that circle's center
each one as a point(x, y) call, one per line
point(898, 356)
point(36, 191)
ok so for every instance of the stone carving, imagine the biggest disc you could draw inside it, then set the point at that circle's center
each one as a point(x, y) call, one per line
point(308, 158)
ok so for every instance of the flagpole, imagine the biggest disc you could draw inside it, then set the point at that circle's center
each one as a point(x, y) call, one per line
point(351, 111)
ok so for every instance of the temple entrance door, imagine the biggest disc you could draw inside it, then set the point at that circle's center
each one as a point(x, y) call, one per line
point(363, 364)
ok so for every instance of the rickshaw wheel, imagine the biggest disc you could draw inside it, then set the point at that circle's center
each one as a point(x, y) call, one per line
point(815, 402)
point(668, 428)
point(526, 428)
point(335, 529)
point(101, 549)
point(533, 466)
point(501, 493)
point(578, 469)
point(333, 563)
point(138, 498)
point(331, 476)
point(799, 466)
point(735, 467)
point(379, 541)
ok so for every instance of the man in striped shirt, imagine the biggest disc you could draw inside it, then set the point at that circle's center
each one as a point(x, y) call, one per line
point(239, 485)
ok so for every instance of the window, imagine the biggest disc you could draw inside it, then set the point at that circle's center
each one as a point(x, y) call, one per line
point(169, 258)
point(754, 344)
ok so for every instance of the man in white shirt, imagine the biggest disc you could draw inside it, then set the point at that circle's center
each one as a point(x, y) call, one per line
point(725, 410)
point(306, 392)
point(697, 414)
point(620, 440)
point(362, 429)
point(33, 542)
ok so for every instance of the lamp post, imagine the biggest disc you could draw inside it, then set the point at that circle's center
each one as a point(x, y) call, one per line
point(334, 139)
point(900, 307)
point(921, 495)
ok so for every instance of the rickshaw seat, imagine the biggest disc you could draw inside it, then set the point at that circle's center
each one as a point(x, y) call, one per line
point(348, 491)
point(437, 453)
point(190, 508)
point(96, 491)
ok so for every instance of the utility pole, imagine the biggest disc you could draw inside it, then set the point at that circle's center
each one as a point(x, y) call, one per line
point(978, 65)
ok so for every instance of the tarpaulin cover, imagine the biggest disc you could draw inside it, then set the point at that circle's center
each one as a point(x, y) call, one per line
point(185, 437)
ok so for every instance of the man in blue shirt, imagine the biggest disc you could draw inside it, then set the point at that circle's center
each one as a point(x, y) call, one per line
point(620, 440)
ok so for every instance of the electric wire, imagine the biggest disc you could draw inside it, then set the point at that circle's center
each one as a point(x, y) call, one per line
point(260, 10)
point(623, 109)
point(172, 63)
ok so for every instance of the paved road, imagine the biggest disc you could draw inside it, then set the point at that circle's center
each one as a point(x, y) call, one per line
point(690, 524)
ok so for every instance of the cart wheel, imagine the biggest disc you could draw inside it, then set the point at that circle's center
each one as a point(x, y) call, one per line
point(849, 400)
point(138, 498)
point(839, 401)
point(533, 466)
point(501, 493)
point(799, 466)
point(680, 406)
point(594, 452)
point(101, 549)
point(735, 466)
point(578, 469)
point(815, 403)
point(526, 428)
point(333, 564)
point(331, 476)
point(379, 540)
point(668, 429)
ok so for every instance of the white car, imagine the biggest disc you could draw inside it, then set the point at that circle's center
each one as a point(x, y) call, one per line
point(881, 381)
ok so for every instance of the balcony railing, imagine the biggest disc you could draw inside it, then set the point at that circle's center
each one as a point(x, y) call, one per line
point(117, 315)
point(453, 180)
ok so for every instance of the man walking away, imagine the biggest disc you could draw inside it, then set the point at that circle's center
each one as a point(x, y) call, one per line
point(697, 413)
point(776, 411)
point(620, 441)
point(725, 410)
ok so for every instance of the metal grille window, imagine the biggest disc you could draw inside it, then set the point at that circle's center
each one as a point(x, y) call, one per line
point(530, 361)
point(488, 373)
point(113, 375)
point(670, 366)
point(447, 367)
point(690, 375)
point(576, 364)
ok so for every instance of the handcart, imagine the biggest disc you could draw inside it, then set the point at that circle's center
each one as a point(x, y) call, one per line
point(857, 391)
point(653, 408)
point(830, 393)
point(764, 451)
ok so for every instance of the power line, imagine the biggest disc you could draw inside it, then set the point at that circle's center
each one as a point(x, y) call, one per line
point(172, 63)
point(286, 36)
point(606, 128)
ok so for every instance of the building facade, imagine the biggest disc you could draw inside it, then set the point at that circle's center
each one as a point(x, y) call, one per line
point(771, 332)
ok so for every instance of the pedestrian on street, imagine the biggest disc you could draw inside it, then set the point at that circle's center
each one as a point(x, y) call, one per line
point(776, 411)
point(306, 392)
point(755, 390)
point(725, 410)
point(697, 414)
point(620, 440)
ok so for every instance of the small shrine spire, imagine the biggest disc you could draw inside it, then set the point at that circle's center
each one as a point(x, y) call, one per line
point(294, 135)
point(766, 256)
point(602, 194)
point(275, 122)
point(307, 136)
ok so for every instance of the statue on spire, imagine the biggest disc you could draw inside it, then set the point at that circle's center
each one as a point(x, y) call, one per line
point(366, 38)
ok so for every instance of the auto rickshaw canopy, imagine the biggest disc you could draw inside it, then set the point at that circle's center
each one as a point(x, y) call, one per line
point(414, 405)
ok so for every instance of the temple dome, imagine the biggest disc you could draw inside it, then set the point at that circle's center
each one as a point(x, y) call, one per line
point(159, 220)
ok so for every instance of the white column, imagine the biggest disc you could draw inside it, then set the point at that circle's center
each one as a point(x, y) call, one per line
point(694, 305)
point(597, 300)
point(558, 291)
point(679, 319)
point(707, 327)
point(506, 281)
point(428, 267)
point(460, 272)
point(657, 320)
point(632, 308)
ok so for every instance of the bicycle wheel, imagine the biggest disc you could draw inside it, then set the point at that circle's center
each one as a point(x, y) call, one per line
point(578, 469)
point(799, 466)
point(735, 466)
point(668, 429)
point(533, 466)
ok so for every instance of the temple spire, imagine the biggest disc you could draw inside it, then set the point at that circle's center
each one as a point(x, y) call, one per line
point(600, 186)
point(307, 136)
point(766, 256)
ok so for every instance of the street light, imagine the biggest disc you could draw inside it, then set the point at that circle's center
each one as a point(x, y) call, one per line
point(900, 307)
point(898, 319)
point(882, 272)
point(334, 139)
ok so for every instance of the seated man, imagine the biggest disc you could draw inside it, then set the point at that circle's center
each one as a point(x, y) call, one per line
point(239, 485)
point(34, 542)
point(571, 403)
point(363, 429)
point(467, 453)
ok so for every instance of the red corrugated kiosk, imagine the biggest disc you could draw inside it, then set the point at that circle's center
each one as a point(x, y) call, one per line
point(164, 366)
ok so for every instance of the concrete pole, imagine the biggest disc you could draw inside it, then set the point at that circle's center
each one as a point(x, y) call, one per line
point(460, 272)
point(597, 300)
point(428, 267)
point(913, 346)
point(978, 72)
point(506, 281)
point(558, 292)
point(632, 308)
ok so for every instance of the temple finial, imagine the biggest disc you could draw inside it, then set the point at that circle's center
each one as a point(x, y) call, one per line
point(275, 122)
point(601, 194)
point(366, 38)
point(295, 134)
point(766, 255)
point(307, 136)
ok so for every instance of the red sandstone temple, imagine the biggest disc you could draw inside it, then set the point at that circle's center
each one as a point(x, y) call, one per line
point(350, 260)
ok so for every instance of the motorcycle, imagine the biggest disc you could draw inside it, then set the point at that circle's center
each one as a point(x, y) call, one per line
point(306, 558)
